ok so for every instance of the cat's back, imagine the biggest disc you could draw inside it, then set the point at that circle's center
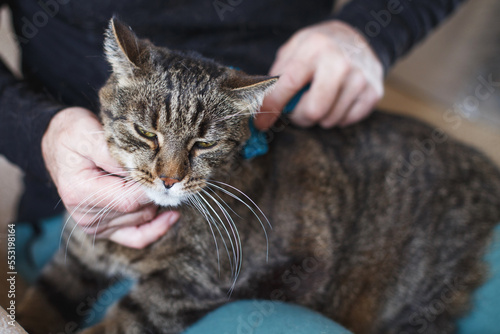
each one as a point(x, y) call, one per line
point(384, 204)
point(396, 149)
point(388, 167)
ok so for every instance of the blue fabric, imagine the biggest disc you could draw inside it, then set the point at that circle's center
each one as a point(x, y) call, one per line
point(34, 248)
point(486, 301)
point(257, 143)
point(256, 317)
point(264, 317)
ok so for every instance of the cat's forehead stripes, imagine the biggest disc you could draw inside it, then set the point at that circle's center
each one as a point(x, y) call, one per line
point(167, 109)
point(196, 113)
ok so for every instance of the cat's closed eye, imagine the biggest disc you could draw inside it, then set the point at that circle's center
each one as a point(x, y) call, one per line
point(145, 133)
point(205, 144)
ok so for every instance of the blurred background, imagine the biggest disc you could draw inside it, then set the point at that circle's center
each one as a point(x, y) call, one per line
point(438, 78)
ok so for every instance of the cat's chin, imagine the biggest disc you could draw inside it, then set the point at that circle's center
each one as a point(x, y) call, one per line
point(164, 199)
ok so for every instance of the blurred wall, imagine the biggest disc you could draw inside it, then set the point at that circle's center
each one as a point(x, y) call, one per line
point(449, 65)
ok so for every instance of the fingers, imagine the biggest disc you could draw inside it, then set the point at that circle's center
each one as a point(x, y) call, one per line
point(142, 235)
point(93, 186)
point(293, 76)
point(346, 77)
point(319, 101)
point(351, 92)
point(361, 107)
point(86, 137)
point(76, 155)
point(101, 220)
point(99, 153)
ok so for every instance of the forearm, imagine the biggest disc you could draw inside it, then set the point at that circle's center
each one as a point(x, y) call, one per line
point(24, 117)
point(393, 27)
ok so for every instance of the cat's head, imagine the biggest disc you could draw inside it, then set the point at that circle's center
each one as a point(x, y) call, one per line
point(173, 119)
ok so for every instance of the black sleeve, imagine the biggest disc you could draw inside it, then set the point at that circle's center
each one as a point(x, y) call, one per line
point(24, 117)
point(393, 27)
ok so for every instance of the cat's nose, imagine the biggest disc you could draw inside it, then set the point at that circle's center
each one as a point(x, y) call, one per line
point(169, 181)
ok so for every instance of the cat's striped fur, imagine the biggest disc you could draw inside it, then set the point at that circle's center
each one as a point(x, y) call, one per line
point(361, 231)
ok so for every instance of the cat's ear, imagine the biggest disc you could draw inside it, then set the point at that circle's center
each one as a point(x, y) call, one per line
point(124, 51)
point(249, 90)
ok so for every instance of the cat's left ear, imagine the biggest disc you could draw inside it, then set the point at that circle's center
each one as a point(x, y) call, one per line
point(125, 52)
point(249, 90)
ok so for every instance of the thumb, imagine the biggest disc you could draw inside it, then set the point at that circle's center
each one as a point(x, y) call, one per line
point(99, 151)
point(266, 116)
point(104, 160)
point(292, 79)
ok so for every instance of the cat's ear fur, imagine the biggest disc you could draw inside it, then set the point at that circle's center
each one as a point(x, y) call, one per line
point(124, 51)
point(249, 90)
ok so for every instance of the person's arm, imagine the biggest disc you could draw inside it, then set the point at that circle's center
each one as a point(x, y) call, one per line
point(345, 58)
point(393, 27)
point(24, 116)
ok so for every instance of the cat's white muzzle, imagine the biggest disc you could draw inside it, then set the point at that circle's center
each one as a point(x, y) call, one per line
point(167, 197)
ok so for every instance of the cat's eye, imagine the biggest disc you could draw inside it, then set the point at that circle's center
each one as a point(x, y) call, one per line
point(205, 144)
point(145, 133)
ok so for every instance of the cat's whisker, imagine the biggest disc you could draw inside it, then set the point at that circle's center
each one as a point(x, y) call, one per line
point(246, 196)
point(121, 179)
point(104, 194)
point(77, 223)
point(221, 199)
point(92, 195)
point(248, 206)
point(100, 199)
point(232, 264)
point(231, 225)
point(104, 212)
point(108, 209)
point(204, 211)
point(237, 239)
point(198, 205)
point(228, 219)
point(76, 185)
point(240, 113)
point(102, 164)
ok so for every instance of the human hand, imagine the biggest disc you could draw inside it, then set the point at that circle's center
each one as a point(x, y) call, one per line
point(346, 77)
point(94, 188)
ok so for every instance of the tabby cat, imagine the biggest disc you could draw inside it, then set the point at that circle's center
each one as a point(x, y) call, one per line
point(371, 223)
